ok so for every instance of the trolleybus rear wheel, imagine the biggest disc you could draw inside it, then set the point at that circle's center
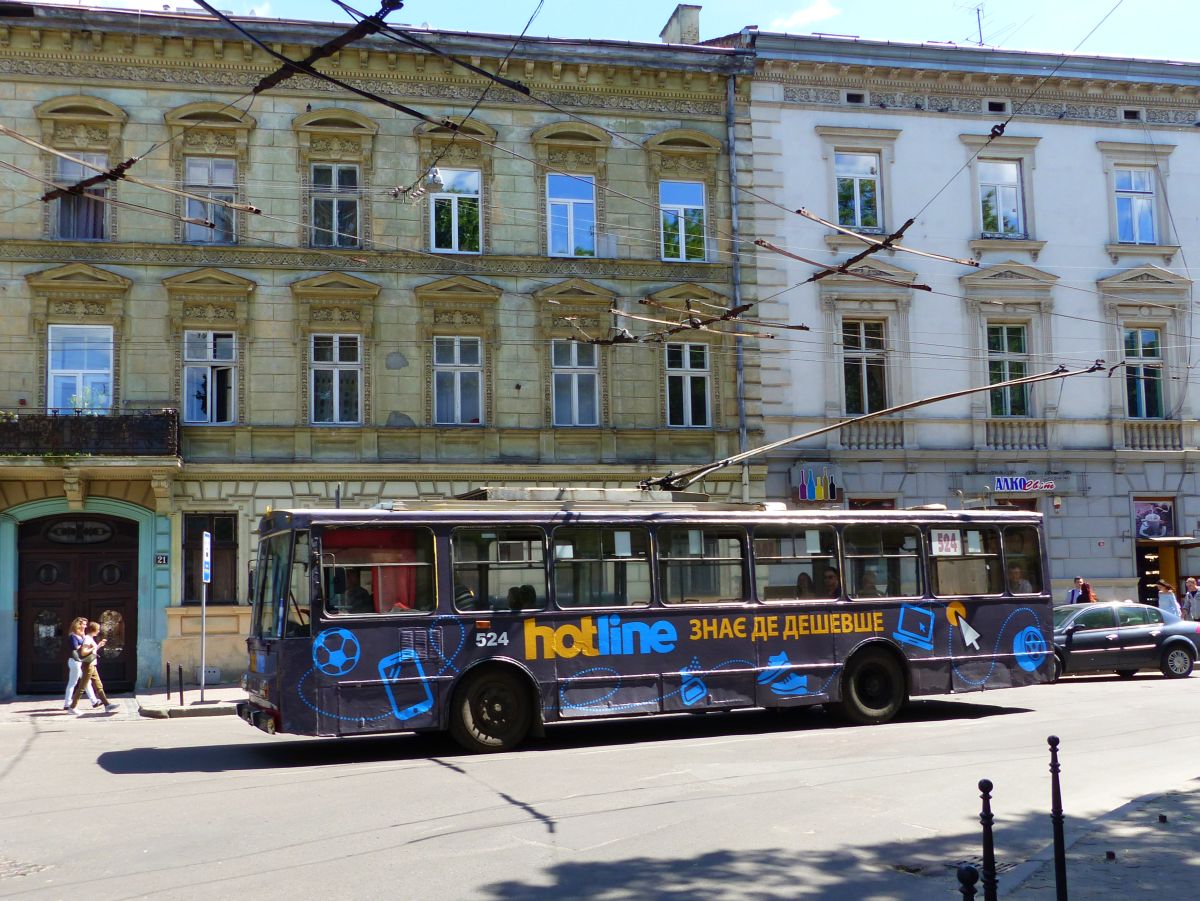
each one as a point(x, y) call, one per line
point(873, 689)
point(491, 712)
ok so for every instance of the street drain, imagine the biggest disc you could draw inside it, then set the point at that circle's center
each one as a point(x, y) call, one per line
point(939, 869)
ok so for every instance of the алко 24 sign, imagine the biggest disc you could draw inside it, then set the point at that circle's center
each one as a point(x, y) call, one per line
point(1021, 483)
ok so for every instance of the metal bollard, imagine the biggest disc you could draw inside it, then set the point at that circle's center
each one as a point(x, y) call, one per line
point(990, 883)
point(168, 681)
point(967, 877)
point(1056, 818)
point(180, 673)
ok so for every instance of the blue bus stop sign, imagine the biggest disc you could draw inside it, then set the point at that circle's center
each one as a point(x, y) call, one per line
point(207, 566)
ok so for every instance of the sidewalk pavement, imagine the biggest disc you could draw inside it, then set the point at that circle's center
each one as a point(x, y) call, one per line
point(219, 700)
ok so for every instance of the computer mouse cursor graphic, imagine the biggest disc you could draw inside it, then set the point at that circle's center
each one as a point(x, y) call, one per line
point(957, 614)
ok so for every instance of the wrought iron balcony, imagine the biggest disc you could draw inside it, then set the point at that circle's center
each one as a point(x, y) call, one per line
point(133, 433)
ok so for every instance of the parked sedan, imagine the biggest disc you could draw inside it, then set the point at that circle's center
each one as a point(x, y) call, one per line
point(1123, 637)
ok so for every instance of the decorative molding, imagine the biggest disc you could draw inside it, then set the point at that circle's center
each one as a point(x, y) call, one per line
point(1166, 252)
point(78, 293)
point(980, 246)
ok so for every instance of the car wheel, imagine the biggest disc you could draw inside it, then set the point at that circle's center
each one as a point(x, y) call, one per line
point(873, 689)
point(492, 712)
point(1177, 661)
point(1056, 668)
point(1126, 673)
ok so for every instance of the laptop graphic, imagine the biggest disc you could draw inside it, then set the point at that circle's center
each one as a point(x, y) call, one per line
point(915, 627)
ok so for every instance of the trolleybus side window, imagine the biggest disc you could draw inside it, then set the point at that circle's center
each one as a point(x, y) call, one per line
point(1023, 557)
point(377, 570)
point(882, 561)
point(270, 590)
point(297, 609)
point(701, 564)
point(964, 561)
point(796, 563)
point(499, 569)
point(601, 567)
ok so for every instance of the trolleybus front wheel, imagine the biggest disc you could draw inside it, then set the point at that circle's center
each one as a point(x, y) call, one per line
point(492, 712)
point(873, 688)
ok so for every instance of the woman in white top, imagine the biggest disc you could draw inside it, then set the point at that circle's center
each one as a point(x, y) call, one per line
point(74, 667)
point(1167, 602)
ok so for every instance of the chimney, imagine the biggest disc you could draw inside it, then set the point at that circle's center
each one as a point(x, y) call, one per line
point(683, 27)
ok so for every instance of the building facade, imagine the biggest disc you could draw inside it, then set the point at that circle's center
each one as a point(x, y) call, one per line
point(1071, 185)
point(306, 298)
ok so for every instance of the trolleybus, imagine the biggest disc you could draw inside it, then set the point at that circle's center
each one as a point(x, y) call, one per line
point(505, 610)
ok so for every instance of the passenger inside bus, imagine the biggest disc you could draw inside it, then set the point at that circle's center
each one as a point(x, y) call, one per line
point(356, 599)
point(805, 588)
point(831, 581)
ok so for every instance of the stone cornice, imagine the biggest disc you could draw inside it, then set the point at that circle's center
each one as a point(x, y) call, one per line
point(239, 257)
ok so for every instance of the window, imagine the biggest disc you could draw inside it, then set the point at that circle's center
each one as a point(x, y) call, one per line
point(700, 565)
point(858, 190)
point(457, 381)
point(215, 178)
point(298, 615)
point(864, 365)
point(1023, 557)
point(1100, 618)
point(687, 385)
point(964, 561)
point(223, 529)
point(601, 567)
point(682, 205)
point(81, 217)
point(209, 377)
point(1135, 205)
point(791, 563)
point(270, 584)
point(334, 205)
point(498, 569)
point(1007, 348)
point(576, 383)
point(455, 212)
point(572, 204)
point(377, 570)
point(1000, 206)
point(1143, 373)
point(882, 561)
point(80, 367)
point(336, 387)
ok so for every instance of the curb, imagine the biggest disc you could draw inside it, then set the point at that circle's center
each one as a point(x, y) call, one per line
point(212, 708)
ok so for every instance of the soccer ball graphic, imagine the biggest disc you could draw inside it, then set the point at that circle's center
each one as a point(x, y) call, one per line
point(335, 652)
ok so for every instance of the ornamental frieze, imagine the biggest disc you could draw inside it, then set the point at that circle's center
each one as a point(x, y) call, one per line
point(78, 308)
point(209, 312)
point(336, 315)
point(456, 317)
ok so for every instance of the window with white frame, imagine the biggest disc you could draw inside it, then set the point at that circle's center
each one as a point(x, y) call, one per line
point(81, 217)
point(457, 381)
point(336, 379)
point(1143, 373)
point(688, 385)
point(1007, 349)
point(682, 205)
point(1135, 205)
point(571, 203)
point(80, 367)
point(576, 369)
point(335, 199)
point(1001, 207)
point(209, 377)
point(454, 212)
point(864, 365)
point(858, 190)
point(214, 177)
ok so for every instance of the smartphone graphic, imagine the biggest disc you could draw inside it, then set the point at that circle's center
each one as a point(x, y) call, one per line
point(405, 665)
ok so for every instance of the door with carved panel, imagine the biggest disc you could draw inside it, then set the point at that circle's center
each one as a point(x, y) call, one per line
point(69, 566)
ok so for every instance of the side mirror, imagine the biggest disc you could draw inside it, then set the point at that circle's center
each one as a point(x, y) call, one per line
point(1070, 630)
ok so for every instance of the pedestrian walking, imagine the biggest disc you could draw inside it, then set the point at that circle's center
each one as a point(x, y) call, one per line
point(89, 653)
point(74, 666)
point(1190, 602)
point(1073, 595)
point(1167, 601)
point(1086, 595)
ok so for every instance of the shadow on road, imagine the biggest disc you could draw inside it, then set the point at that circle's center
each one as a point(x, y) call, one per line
point(270, 753)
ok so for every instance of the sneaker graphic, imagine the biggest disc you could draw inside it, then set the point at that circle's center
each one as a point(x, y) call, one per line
point(791, 686)
point(779, 665)
point(692, 689)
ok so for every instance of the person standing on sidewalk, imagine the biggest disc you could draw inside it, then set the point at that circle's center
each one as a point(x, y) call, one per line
point(74, 666)
point(1190, 602)
point(1166, 598)
point(1073, 595)
point(88, 654)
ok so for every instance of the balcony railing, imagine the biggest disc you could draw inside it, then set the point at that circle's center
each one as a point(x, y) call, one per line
point(136, 433)
point(874, 434)
point(1153, 434)
point(1016, 434)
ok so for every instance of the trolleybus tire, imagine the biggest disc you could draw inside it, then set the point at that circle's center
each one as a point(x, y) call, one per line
point(1177, 661)
point(491, 711)
point(873, 688)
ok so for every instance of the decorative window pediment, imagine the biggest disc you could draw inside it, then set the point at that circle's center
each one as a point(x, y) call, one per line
point(576, 145)
point(78, 293)
point(1009, 282)
point(843, 288)
point(437, 141)
point(683, 153)
point(334, 300)
point(208, 299)
point(337, 135)
point(82, 123)
point(575, 301)
point(1165, 285)
point(210, 128)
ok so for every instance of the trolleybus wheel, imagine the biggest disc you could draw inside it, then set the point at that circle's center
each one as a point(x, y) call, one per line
point(873, 689)
point(491, 712)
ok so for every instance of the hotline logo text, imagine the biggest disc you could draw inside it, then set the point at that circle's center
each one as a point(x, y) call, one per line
point(598, 636)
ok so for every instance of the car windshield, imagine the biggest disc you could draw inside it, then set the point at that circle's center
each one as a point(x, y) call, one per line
point(1062, 614)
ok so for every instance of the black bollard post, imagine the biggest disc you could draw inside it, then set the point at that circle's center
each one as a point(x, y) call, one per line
point(1056, 818)
point(967, 877)
point(168, 681)
point(990, 884)
point(179, 671)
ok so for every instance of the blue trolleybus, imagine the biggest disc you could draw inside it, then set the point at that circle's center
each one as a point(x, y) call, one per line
point(507, 609)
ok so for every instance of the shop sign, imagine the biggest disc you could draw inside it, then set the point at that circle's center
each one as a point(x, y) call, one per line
point(1022, 484)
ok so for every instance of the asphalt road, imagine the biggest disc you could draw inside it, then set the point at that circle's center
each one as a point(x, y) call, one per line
point(721, 806)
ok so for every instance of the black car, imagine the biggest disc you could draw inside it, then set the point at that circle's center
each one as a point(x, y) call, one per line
point(1123, 637)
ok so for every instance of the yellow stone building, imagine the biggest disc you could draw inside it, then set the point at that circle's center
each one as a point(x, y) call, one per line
point(305, 297)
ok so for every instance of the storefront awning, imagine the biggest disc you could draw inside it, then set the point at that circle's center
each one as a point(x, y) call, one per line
point(1179, 541)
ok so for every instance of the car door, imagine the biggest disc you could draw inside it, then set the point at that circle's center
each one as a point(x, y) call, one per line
point(1094, 643)
point(1140, 629)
